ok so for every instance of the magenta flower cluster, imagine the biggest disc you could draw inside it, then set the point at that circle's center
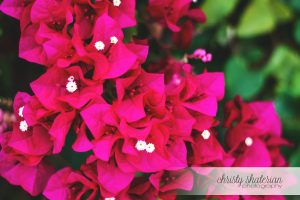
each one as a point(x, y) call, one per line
point(144, 127)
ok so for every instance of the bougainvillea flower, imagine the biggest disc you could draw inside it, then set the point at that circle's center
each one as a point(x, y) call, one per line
point(165, 181)
point(257, 152)
point(15, 8)
point(27, 142)
point(56, 14)
point(32, 179)
point(56, 122)
point(255, 136)
point(58, 89)
point(35, 113)
point(106, 128)
point(103, 124)
point(206, 84)
point(132, 90)
point(60, 129)
point(201, 54)
point(166, 152)
point(184, 37)
point(47, 40)
point(254, 119)
point(20, 100)
point(140, 48)
point(69, 184)
point(29, 49)
point(198, 94)
point(108, 132)
point(85, 16)
point(105, 29)
point(82, 142)
point(141, 187)
point(46, 47)
point(206, 148)
point(123, 11)
point(169, 12)
point(87, 12)
point(120, 60)
point(112, 178)
point(111, 57)
point(28, 145)
point(162, 185)
point(274, 146)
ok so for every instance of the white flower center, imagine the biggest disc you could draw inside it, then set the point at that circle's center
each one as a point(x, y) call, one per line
point(99, 45)
point(21, 111)
point(114, 40)
point(195, 1)
point(23, 126)
point(205, 134)
point(140, 145)
point(71, 85)
point(248, 141)
point(117, 2)
point(109, 198)
point(150, 148)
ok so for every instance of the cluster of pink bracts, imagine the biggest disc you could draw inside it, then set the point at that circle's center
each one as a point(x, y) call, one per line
point(143, 127)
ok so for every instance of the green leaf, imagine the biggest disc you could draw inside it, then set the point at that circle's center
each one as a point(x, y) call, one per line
point(129, 33)
point(257, 19)
point(295, 4)
point(262, 16)
point(224, 34)
point(297, 31)
point(284, 66)
point(295, 159)
point(282, 56)
point(240, 80)
point(280, 11)
point(284, 107)
point(252, 53)
point(216, 10)
point(295, 84)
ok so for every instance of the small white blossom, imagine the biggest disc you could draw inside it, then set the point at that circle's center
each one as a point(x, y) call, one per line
point(21, 111)
point(117, 2)
point(71, 79)
point(150, 147)
point(99, 45)
point(114, 40)
point(195, 1)
point(23, 126)
point(140, 145)
point(205, 134)
point(110, 198)
point(248, 141)
point(71, 85)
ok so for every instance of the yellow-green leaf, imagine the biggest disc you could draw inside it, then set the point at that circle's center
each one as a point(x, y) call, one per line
point(216, 10)
point(257, 19)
